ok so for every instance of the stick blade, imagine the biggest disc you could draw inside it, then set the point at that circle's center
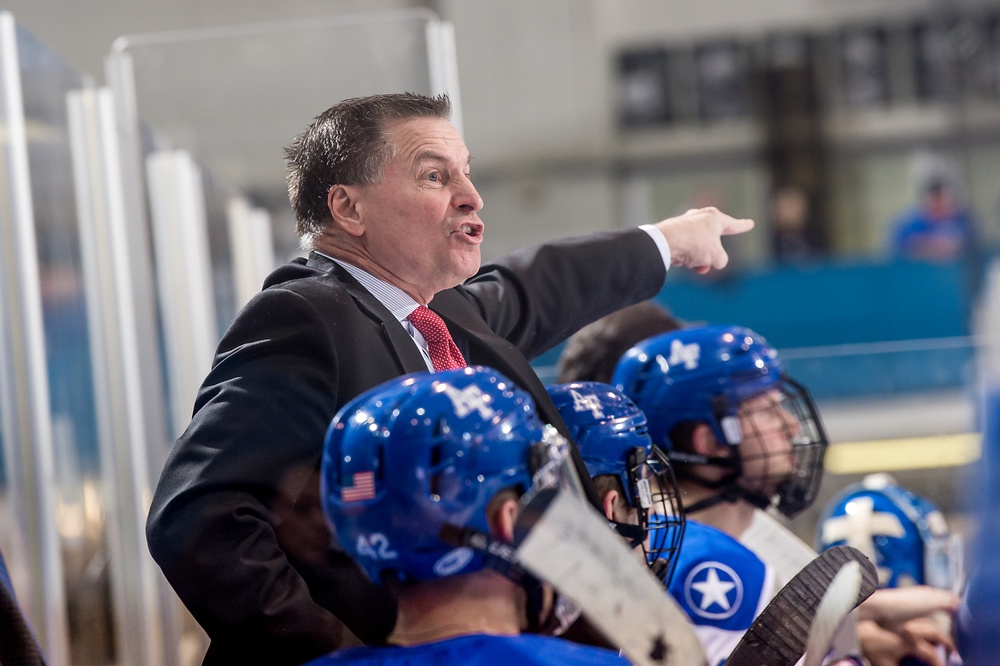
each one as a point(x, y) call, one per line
point(778, 636)
point(839, 599)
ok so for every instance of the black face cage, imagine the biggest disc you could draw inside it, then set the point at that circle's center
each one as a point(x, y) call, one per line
point(661, 515)
point(796, 491)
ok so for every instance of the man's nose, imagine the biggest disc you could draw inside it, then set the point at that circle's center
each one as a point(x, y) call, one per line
point(792, 423)
point(467, 197)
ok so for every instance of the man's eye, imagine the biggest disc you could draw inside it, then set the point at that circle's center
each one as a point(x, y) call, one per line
point(434, 177)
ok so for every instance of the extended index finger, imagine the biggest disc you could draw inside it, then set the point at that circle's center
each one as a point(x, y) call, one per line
point(737, 226)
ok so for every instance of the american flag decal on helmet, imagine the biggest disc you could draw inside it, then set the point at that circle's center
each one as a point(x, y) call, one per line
point(363, 488)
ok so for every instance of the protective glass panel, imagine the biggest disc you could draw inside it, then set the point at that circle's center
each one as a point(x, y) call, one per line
point(45, 80)
point(212, 92)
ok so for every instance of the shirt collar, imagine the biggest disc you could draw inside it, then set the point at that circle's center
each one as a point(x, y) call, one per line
point(397, 301)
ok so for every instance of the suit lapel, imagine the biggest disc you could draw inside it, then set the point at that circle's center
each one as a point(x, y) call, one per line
point(399, 341)
point(456, 310)
point(469, 328)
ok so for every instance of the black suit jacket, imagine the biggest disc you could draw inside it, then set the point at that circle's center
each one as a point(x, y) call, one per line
point(235, 522)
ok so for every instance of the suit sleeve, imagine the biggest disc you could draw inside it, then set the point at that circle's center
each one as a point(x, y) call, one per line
point(539, 296)
point(254, 440)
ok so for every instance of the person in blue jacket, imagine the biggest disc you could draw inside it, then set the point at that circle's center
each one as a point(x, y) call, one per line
point(938, 229)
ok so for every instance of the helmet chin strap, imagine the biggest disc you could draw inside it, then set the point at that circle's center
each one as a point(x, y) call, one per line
point(634, 534)
point(728, 491)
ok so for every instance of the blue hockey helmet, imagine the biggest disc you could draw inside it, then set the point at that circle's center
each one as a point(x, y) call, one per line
point(709, 374)
point(422, 452)
point(611, 436)
point(903, 534)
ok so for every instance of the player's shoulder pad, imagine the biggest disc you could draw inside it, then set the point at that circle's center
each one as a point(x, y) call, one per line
point(719, 581)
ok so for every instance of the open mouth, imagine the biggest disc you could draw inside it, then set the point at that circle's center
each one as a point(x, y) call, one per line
point(472, 230)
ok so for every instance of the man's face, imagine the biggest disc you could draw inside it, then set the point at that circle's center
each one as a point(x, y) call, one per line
point(420, 220)
point(767, 450)
point(940, 203)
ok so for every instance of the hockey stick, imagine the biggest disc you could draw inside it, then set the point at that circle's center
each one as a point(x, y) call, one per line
point(777, 545)
point(788, 554)
point(839, 599)
point(566, 543)
point(778, 635)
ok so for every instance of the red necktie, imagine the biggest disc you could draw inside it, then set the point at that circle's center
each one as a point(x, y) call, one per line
point(443, 351)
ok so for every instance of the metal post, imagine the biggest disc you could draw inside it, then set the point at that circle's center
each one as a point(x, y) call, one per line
point(128, 427)
point(24, 387)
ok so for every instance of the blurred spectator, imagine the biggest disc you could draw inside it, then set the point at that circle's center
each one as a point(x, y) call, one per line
point(789, 221)
point(938, 228)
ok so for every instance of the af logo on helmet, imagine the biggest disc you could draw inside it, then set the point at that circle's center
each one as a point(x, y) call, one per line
point(587, 403)
point(686, 354)
point(468, 400)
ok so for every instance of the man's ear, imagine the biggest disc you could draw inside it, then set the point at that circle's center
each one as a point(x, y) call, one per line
point(345, 209)
point(705, 443)
point(608, 503)
point(501, 522)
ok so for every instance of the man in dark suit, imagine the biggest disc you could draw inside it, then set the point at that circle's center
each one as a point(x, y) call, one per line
point(18, 644)
point(383, 198)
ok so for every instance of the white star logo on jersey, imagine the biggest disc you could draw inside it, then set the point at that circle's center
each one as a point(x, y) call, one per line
point(686, 354)
point(587, 403)
point(713, 591)
point(468, 400)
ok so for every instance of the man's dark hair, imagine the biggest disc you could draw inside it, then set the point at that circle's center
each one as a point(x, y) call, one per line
point(347, 145)
point(605, 483)
point(593, 352)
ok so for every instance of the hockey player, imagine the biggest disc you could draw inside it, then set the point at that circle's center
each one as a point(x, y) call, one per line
point(744, 437)
point(719, 583)
point(420, 464)
point(907, 539)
